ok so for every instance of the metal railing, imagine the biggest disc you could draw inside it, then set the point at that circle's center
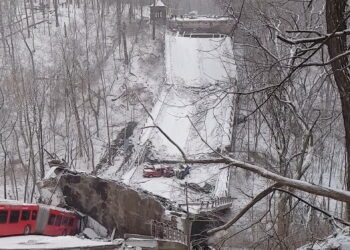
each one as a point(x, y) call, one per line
point(164, 231)
point(211, 204)
point(218, 202)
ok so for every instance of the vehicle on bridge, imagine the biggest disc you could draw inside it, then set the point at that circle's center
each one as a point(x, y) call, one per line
point(152, 171)
point(18, 218)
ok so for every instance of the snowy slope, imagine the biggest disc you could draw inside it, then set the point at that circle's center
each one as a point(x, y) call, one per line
point(339, 241)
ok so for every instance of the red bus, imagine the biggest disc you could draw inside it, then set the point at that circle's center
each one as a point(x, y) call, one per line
point(19, 218)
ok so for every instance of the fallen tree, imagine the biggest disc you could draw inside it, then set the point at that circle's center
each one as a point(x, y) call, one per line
point(333, 193)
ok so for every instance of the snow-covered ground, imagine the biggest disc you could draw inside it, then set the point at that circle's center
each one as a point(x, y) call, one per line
point(47, 242)
point(339, 241)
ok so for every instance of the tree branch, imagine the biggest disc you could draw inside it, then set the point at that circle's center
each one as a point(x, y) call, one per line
point(346, 53)
point(169, 139)
point(319, 39)
point(257, 198)
point(336, 194)
point(314, 207)
point(263, 194)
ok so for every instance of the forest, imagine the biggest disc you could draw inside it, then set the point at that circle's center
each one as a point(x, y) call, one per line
point(80, 78)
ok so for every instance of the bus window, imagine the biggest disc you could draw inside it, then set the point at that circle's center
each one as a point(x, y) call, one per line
point(65, 221)
point(25, 215)
point(71, 220)
point(14, 216)
point(34, 213)
point(3, 217)
point(58, 220)
point(51, 219)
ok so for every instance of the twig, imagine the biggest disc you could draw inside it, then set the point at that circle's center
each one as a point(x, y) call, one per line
point(314, 207)
point(169, 139)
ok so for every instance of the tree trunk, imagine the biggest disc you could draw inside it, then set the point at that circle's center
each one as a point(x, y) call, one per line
point(126, 57)
point(2, 30)
point(32, 12)
point(119, 21)
point(335, 17)
point(235, 123)
point(5, 167)
point(56, 12)
point(283, 222)
point(27, 18)
point(154, 23)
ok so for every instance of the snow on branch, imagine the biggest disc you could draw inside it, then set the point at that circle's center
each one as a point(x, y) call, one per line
point(336, 194)
point(346, 53)
point(318, 39)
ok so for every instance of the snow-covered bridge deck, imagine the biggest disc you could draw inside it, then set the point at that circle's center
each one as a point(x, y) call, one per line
point(191, 64)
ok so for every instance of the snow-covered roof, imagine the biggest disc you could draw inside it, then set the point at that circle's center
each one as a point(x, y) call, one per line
point(19, 203)
point(15, 202)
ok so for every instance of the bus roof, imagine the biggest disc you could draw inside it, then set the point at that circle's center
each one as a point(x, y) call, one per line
point(19, 203)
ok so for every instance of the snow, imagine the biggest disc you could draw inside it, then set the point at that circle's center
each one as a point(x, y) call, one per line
point(147, 243)
point(46, 242)
point(191, 63)
point(15, 202)
point(174, 189)
point(127, 177)
point(222, 183)
point(98, 229)
point(89, 233)
point(159, 3)
point(340, 241)
point(202, 18)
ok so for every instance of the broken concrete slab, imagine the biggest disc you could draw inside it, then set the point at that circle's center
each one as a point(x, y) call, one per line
point(112, 204)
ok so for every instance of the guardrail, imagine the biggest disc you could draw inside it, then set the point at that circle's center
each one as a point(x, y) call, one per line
point(211, 204)
point(218, 202)
point(163, 231)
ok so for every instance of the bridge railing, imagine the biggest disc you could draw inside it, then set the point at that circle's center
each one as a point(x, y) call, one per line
point(210, 204)
point(214, 203)
point(163, 231)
